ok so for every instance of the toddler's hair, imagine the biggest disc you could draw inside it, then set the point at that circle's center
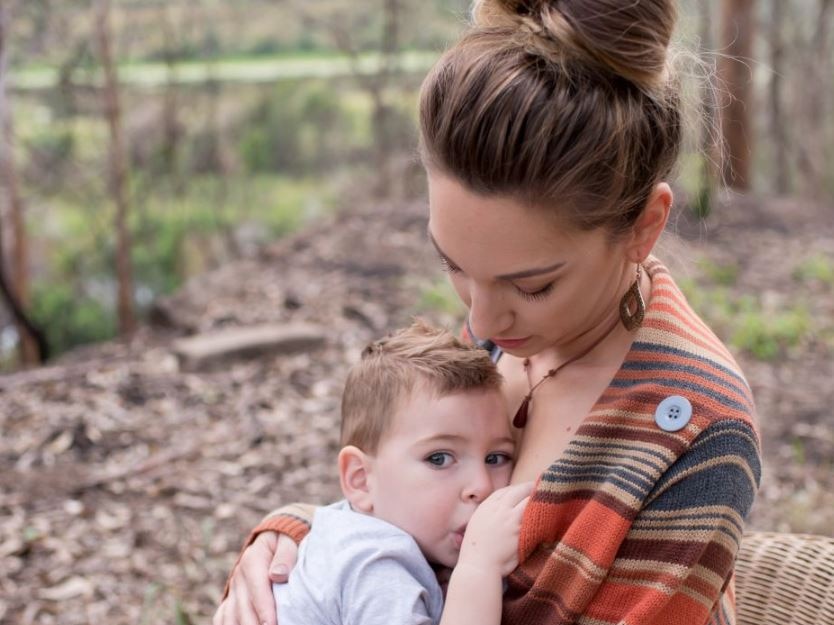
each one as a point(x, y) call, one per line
point(390, 370)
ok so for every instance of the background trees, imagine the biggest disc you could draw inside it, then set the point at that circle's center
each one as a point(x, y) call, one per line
point(188, 133)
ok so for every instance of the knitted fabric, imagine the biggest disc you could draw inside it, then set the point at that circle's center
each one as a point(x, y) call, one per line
point(634, 525)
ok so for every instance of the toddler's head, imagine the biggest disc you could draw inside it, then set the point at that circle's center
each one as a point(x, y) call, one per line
point(425, 436)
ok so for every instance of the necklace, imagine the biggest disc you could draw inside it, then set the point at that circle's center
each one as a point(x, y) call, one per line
point(520, 418)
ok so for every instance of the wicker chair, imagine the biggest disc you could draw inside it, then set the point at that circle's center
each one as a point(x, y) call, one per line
point(785, 579)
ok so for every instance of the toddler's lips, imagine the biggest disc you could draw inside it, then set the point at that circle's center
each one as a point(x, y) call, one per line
point(457, 536)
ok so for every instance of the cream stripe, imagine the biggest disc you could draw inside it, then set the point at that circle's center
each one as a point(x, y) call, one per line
point(651, 566)
point(608, 488)
point(715, 509)
point(620, 461)
point(666, 590)
point(674, 339)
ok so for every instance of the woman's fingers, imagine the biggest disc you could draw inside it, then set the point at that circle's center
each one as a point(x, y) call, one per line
point(284, 559)
point(255, 601)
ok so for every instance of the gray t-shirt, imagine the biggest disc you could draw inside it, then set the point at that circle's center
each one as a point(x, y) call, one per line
point(354, 569)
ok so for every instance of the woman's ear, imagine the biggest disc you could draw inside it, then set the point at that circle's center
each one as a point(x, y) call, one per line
point(355, 469)
point(650, 224)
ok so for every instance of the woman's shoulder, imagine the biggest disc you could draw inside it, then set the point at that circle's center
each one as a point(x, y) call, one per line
point(677, 353)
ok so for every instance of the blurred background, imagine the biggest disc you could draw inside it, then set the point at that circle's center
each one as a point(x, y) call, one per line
point(172, 168)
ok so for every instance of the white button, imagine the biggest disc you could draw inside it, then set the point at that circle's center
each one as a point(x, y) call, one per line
point(673, 413)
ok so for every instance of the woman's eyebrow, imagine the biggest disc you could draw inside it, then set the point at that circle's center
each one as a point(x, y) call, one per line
point(517, 275)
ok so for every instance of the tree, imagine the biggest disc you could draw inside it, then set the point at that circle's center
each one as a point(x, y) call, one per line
point(815, 153)
point(15, 284)
point(343, 19)
point(738, 25)
point(702, 204)
point(778, 123)
point(118, 170)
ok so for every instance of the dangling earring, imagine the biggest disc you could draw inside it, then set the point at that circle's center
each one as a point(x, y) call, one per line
point(633, 299)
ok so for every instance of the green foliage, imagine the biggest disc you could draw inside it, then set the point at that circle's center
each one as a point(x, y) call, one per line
point(51, 148)
point(723, 274)
point(298, 127)
point(174, 236)
point(70, 318)
point(439, 296)
point(746, 324)
point(181, 617)
point(815, 268)
point(766, 336)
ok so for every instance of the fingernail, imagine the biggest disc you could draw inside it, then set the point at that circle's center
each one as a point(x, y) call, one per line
point(280, 569)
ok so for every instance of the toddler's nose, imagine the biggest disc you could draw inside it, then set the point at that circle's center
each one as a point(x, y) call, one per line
point(478, 487)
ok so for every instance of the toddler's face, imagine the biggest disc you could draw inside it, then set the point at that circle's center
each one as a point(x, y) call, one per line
point(441, 458)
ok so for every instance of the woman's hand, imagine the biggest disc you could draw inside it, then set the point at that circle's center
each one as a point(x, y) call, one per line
point(269, 558)
point(491, 538)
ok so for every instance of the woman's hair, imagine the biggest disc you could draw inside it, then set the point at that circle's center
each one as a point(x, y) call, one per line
point(558, 103)
point(390, 370)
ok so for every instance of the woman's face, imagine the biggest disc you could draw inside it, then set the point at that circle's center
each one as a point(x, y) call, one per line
point(529, 284)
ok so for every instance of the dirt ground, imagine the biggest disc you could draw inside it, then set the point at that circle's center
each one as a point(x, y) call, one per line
point(127, 485)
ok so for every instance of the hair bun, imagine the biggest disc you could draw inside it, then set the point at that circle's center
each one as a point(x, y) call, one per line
point(629, 39)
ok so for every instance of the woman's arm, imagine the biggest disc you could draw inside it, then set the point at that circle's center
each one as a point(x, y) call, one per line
point(267, 556)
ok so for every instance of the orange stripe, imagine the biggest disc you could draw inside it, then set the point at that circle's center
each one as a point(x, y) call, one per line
point(720, 389)
point(644, 606)
point(660, 324)
point(708, 338)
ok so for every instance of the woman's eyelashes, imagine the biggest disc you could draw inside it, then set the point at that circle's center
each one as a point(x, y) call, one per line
point(448, 266)
point(534, 295)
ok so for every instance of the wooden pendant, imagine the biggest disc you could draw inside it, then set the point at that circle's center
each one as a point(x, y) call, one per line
point(633, 299)
point(520, 418)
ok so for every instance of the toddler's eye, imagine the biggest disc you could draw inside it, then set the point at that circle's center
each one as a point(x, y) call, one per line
point(439, 459)
point(498, 459)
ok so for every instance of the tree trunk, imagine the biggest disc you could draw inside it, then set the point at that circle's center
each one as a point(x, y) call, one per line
point(18, 257)
point(118, 171)
point(778, 122)
point(172, 128)
point(702, 204)
point(382, 110)
point(736, 75)
point(820, 82)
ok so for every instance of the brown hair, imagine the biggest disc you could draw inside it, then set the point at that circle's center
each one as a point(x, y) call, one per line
point(568, 103)
point(392, 367)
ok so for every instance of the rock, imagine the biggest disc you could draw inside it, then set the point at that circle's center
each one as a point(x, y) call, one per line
point(211, 349)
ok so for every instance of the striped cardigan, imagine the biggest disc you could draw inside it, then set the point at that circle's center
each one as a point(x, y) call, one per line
point(634, 525)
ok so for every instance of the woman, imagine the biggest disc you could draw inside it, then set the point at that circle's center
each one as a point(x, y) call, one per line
point(547, 132)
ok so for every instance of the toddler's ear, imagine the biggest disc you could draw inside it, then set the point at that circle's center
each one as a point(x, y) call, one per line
point(354, 477)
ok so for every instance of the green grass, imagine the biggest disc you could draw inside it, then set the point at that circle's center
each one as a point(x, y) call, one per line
point(258, 69)
point(817, 268)
point(764, 333)
point(723, 274)
point(174, 237)
point(439, 296)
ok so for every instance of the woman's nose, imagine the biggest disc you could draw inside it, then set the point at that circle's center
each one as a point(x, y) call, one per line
point(487, 315)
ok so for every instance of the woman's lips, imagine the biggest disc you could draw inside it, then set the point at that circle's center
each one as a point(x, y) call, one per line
point(510, 343)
